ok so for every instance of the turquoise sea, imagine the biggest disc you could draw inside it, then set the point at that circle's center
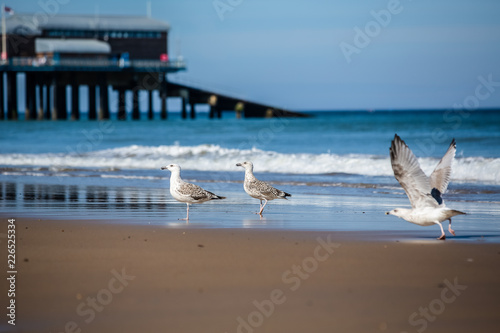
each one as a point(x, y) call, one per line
point(335, 164)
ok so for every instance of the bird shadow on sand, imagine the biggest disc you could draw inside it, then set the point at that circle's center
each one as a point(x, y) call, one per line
point(490, 238)
point(477, 237)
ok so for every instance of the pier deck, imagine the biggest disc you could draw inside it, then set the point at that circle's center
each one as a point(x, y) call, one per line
point(46, 82)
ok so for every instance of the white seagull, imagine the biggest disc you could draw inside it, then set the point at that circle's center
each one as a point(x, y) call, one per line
point(258, 189)
point(424, 192)
point(187, 192)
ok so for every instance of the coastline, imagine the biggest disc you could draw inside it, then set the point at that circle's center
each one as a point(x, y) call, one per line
point(78, 275)
point(310, 209)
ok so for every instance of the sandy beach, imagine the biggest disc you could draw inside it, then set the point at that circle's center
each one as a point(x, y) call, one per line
point(91, 276)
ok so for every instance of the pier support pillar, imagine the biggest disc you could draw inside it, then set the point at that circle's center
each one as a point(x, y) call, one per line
point(30, 111)
point(239, 108)
point(41, 99)
point(150, 105)
point(92, 107)
point(122, 112)
point(215, 111)
point(164, 111)
point(184, 94)
point(2, 98)
point(60, 112)
point(212, 102)
point(75, 101)
point(183, 108)
point(136, 113)
point(192, 112)
point(39, 96)
point(48, 103)
point(103, 101)
point(163, 97)
point(12, 95)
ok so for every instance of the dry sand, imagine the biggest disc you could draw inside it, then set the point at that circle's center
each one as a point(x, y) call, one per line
point(97, 277)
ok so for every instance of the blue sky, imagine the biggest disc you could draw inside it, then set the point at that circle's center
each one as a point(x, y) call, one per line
point(325, 54)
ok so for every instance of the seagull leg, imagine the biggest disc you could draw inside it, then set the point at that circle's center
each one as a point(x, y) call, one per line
point(187, 216)
point(450, 229)
point(262, 207)
point(443, 236)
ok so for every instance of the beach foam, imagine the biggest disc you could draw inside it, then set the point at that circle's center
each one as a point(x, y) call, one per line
point(216, 158)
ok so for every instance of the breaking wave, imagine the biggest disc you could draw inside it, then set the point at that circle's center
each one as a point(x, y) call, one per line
point(216, 158)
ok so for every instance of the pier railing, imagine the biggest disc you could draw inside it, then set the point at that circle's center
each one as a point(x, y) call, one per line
point(49, 64)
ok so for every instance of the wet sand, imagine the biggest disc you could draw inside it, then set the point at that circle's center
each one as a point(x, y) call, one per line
point(96, 277)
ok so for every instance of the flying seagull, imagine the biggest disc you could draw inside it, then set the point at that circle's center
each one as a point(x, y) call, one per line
point(187, 192)
point(424, 192)
point(258, 189)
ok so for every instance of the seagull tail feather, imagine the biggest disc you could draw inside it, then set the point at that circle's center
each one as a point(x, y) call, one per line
point(215, 196)
point(452, 212)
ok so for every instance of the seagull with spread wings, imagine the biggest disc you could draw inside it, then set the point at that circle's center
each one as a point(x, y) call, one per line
point(424, 192)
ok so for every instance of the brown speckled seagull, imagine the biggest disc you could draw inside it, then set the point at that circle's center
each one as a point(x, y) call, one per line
point(258, 189)
point(187, 192)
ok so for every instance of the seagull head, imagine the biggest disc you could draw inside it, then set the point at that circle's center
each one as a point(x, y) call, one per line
point(399, 212)
point(171, 167)
point(247, 165)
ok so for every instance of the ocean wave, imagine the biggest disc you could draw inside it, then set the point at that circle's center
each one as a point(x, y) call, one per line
point(216, 158)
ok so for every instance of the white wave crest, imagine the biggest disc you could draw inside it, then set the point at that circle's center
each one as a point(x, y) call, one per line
point(216, 158)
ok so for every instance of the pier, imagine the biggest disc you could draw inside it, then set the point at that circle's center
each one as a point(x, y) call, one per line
point(105, 54)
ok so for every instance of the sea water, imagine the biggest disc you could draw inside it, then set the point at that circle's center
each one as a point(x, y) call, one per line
point(331, 162)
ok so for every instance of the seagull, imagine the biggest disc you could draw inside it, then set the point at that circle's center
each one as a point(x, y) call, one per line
point(424, 192)
point(258, 189)
point(187, 192)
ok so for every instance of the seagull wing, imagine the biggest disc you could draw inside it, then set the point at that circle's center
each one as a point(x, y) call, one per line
point(259, 189)
point(440, 177)
point(409, 174)
point(267, 190)
point(194, 191)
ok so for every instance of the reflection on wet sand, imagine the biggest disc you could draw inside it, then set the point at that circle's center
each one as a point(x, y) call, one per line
point(47, 196)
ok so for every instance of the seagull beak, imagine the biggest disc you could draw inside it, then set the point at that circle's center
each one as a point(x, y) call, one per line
point(238, 164)
point(386, 213)
point(163, 168)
